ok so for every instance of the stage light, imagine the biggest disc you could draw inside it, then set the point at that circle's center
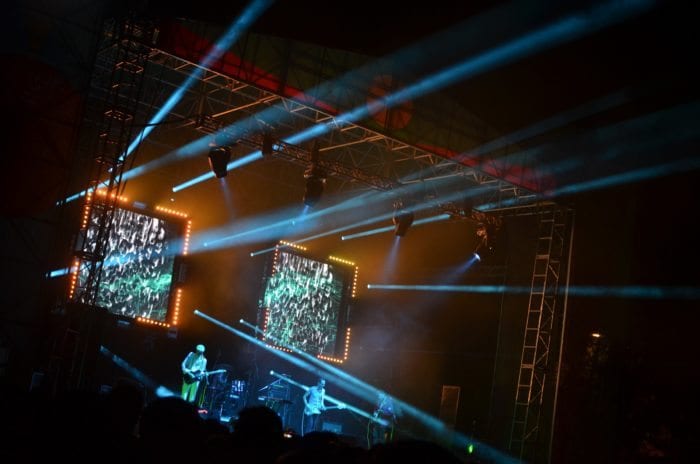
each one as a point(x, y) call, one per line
point(403, 218)
point(267, 148)
point(315, 182)
point(467, 206)
point(219, 158)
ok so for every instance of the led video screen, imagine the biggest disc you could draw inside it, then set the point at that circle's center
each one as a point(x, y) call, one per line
point(306, 301)
point(140, 257)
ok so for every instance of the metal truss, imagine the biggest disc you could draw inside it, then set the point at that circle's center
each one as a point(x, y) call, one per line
point(535, 395)
point(127, 49)
point(232, 111)
point(133, 79)
point(111, 117)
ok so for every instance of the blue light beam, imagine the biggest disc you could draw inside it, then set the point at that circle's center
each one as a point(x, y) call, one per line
point(369, 393)
point(584, 291)
point(567, 29)
point(570, 28)
point(136, 373)
point(239, 26)
point(428, 220)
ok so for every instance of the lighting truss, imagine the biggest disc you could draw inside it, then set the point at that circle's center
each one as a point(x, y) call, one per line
point(351, 153)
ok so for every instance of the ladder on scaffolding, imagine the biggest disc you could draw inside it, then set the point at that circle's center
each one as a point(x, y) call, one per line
point(539, 367)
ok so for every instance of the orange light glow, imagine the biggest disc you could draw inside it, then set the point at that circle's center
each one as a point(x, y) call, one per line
point(145, 320)
point(354, 282)
point(103, 193)
point(171, 211)
point(176, 307)
point(290, 244)
point(73, 278)
point(341, 260)
point(186, 242)
point(328, 358)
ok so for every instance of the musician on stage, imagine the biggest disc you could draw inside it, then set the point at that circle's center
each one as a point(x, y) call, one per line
point(382, 432)
point(314, 399)
point(193, 366)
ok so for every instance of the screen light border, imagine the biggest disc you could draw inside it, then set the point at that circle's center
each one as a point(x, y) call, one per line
point(346, 345)
point(173, 313)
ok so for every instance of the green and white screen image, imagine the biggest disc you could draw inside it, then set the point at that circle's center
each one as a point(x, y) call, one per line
point(303, 297)
point(137, 273)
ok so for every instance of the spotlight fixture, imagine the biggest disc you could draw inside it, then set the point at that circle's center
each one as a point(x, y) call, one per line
point(219, 158)
point(467, 206)
point(267, 144)
point(315, 182)
point(403, 218)
point(315, 179)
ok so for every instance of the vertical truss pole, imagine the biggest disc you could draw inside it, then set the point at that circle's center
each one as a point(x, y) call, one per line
point(561, 336)
point(126, 48)
point(538, 372)
point(130, 44)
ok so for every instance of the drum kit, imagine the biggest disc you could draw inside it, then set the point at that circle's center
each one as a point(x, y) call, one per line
point(237, 389)
point(224, 397)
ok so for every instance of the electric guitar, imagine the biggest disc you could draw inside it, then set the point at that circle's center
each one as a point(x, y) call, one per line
point(195, 376)
point(309, 410)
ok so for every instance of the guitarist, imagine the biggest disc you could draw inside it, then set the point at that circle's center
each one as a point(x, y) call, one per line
point(192, 367)
point(384, 410)
point(314, 399)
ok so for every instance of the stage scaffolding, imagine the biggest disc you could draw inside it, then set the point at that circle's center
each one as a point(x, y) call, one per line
point(132, 72)
point(110, 119)
point(538, 375)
